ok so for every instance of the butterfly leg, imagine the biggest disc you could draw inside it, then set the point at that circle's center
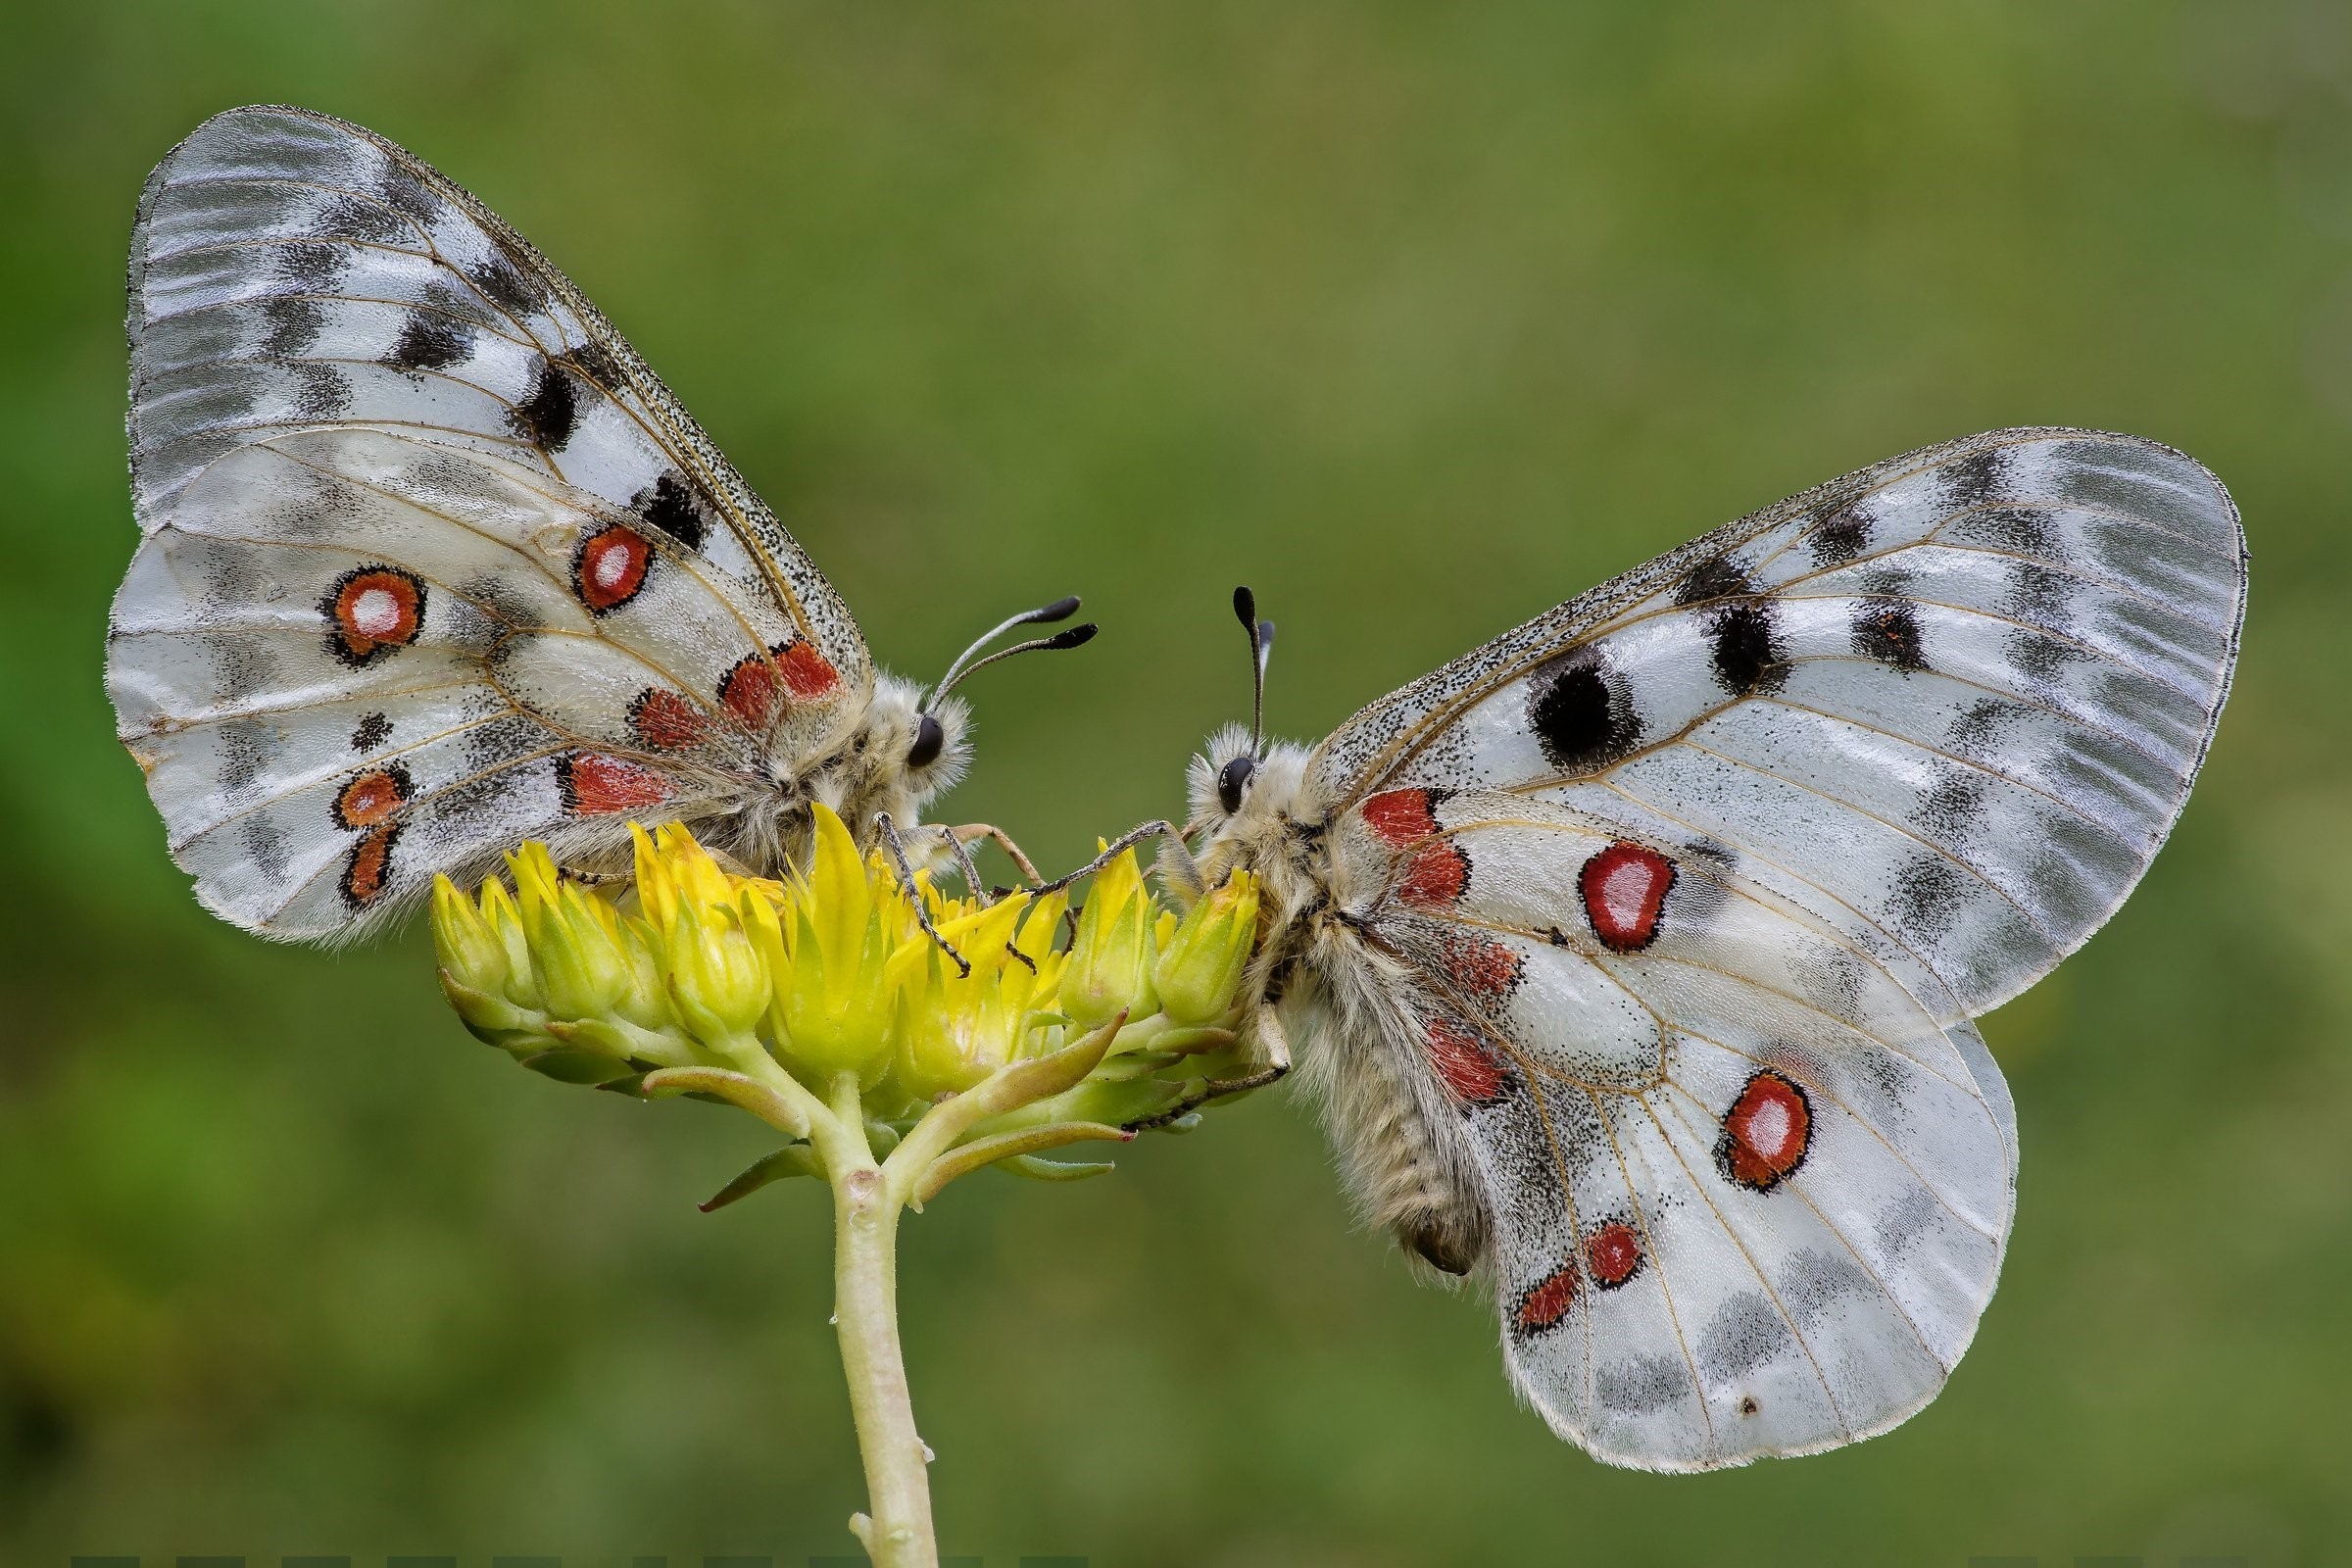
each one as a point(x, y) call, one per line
point(963, 860)
point(914, 894)
point(974, 832)
point(1272, 1044)
point(1173, 856)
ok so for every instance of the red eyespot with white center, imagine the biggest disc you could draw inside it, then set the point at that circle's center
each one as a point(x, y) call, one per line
point(1624, 889)
point(596, 785)
point(610, 567)
point(1765, 1132)
point(1469, 1071)
point(1546, 1303)
point(1613, 1252)
point(373, 610)
point(371, 797)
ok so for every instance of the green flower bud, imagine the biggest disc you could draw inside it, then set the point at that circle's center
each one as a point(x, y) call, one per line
point(576, 942)
point(718, 978)
point(1199, 974)
point(1110, 960)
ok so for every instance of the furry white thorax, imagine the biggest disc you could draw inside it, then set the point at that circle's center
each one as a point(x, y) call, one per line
point(858, 772)
point(1400, 1146)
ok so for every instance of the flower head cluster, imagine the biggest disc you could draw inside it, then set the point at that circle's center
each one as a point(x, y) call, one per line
point(831, 980)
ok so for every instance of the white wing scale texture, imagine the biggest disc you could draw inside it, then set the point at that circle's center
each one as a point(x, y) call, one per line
point(1701, 876)
point(355, 391)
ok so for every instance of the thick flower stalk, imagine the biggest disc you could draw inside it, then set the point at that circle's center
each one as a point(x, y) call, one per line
point(821, 1006)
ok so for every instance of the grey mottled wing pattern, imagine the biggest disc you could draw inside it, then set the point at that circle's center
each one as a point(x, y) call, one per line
point(1953, 702)
point(1698, 879)
point(430, 561)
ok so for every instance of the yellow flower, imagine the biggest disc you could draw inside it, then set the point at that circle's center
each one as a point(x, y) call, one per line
point(1199, 975)
point(709, 944)
point(1110, 960)
point(836, 984)
point(955, 1029)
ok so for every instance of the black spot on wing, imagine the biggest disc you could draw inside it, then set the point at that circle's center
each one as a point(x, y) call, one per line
point(1951, 810)
point(290, 325)
point(374, 730)
point(244, 751)
point(1719, 578)
point(1928, 896)
point(320, 391)
point(1973, 481)
point(1578, 713)
point(429, 342)
point(350, 217)
point(314, 265)
point(503, 284)
point(546, 417)
point(1747, 647)
point(1843, 533)
point(2040, 594)
point(403, 195)
point(2024, 529)
point(597, 364)
point(1888, 631)
point(1746, 1332)
point(668, 505)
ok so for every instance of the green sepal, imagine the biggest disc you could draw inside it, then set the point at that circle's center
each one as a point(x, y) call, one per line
point(793, 1160)
point(567, 1066)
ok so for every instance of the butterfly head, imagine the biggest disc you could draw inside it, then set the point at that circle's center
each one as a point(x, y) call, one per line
point(1247, 795)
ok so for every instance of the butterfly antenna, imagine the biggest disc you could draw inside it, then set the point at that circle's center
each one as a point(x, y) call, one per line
point(1262, 649)
point(1043, 614)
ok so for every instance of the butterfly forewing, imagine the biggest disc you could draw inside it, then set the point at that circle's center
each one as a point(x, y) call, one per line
point(1689, 887)
point(1959, 697)
point(432, 561)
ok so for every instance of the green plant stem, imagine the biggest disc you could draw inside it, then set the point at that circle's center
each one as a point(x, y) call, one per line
point(866, 1307)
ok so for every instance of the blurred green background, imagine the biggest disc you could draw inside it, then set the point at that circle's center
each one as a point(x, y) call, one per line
point(1418, 318)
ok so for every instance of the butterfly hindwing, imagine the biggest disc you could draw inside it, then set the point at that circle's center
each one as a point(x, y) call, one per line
point(432, 561)
point(1952, 703)
point(1744, 1194)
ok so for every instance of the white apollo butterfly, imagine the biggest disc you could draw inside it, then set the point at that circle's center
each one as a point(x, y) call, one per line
point(432, 563)
point(1634, 953)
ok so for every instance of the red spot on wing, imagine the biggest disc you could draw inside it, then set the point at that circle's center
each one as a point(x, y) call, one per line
point(1624, 888)
point(1435, 875)
point(664, 721)
point(759, 684)
point(1546, 1303)
point(1398, 817)
point(1469, 1070)
point(1765, 1132)
point(610, 567)
point(1484, 970)
point(806, 674)
point(749, 691)
point(1613, 1252)
point(596, 785)
point(372, 797)
point(370, 865)
point(371, 611)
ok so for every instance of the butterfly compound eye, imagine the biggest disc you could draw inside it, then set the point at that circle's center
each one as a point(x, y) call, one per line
point(1231, 779)
point(929, 741)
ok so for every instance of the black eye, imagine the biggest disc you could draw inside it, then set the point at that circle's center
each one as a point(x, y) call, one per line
point(1231, 779)
point(929, 740)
